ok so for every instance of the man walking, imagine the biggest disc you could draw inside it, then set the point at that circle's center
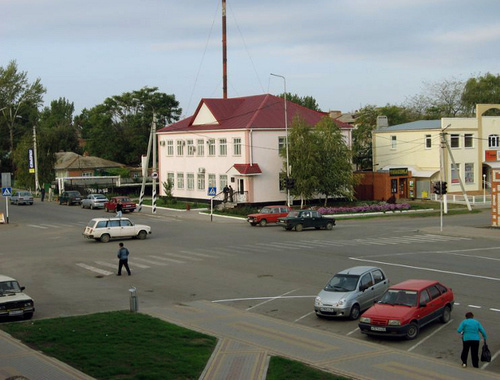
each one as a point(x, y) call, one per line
point(119, 208)
point(123, 257)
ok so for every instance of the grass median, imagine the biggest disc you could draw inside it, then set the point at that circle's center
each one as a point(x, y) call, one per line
point(124, 345)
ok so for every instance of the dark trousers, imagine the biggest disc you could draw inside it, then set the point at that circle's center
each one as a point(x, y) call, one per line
point(473, 345)
point(123, 263)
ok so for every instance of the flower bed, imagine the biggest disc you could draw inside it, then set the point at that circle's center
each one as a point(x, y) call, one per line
point(383, 207)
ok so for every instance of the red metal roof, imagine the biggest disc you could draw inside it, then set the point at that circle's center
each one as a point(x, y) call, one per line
point(248, 168)
point(249, 112)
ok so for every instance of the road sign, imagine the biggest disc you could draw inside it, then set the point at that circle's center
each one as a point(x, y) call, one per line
point(212, 191)
point(7, 191)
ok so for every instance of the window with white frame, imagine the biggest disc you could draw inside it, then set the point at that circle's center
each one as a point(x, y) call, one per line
point(190, 181)
point(180, 147)
point(212, 181)
point(222, 180)
point(237, 146)
point(281, 143)
point(87, 174)
point(222, 147)
point(493, 141)
point(455, 170)
point(171, 178)
point(468, 140)
point(200, 147)
point(190, 147)
point(428, 141)
point(201, 181)
point(180, 180)
point(170, 147)
point(211, 147)
point(455, 140)
point(469, 172)
point(393, 142)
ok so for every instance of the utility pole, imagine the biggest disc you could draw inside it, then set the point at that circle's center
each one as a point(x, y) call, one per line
point(37, 185)
point(155, 174)
point(224, 51)
point(145, 166)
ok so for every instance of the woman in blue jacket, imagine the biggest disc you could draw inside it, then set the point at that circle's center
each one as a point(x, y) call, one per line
point(470, 329)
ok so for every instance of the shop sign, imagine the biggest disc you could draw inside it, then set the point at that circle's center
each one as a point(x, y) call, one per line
point(398, 172)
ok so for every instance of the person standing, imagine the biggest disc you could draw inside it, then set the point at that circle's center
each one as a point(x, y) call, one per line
point(119, 208)
point(42, 193)
point(470, 329)
point(123, 257)
point(225, 190)
point(231, 194)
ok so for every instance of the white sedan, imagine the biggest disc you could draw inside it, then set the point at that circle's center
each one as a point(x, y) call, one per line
point(105, 229)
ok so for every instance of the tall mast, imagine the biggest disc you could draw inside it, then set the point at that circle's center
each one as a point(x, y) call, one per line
point(224, 51)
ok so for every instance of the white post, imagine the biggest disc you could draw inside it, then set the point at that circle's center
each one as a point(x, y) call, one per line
point(484, 188)
point(153, 209)
point(37, 185)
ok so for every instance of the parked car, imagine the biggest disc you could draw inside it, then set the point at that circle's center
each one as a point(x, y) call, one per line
point(70, 198)
point(407, 307)
point(306, 219)
point(105, 229)
point(268, 214)
point(351, 291)
point(22, 198)
point(94, 201)
point(13, 301)
point(127, 204)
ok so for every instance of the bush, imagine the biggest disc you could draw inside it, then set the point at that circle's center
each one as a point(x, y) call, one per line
point(382, 207)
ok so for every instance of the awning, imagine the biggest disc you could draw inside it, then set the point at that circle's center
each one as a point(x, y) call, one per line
point(245, 170)
point(414, 172)
point(492, 164)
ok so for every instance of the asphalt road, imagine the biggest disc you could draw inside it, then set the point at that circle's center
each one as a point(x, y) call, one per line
point(263, 270)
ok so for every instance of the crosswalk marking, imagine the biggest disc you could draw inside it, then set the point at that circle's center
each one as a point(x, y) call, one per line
point(37, 226)
point(167, 259)
point(198, 254)
point(148, 261)
point(184, 257)
point(94, 269)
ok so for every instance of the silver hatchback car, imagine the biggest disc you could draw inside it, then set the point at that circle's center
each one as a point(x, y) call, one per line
point(351, 291)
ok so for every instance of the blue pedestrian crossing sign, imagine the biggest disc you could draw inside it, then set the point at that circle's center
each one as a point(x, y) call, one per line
point(212, 191)
point(7, 191)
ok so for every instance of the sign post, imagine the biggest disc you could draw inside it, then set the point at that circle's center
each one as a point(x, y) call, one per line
point(212, 192)
point(7, 193)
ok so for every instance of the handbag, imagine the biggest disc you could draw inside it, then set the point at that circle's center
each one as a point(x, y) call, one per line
point(485, 354)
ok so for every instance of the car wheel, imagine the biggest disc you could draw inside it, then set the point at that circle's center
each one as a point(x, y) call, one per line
point(263, 223)
point(142, 235)
point(299, 227)
point(329, 226)
point(445, 318)
point(105, 238)
point(354, 314)
point(412, 331)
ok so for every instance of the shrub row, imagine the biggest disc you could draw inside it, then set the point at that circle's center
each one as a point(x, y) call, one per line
point(383, 207)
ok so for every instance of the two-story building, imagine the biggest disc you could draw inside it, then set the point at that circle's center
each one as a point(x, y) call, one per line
point(231, 142)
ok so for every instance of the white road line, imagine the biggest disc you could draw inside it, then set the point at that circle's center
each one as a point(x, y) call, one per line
point(259, 298)
point(213, 251)
point(148, 261)
point(427, 269)
point(103, 263)
point(167, 259)
point(94, 269)
point(199, 254)
point(51, 225)
point(142, 266)
point(269, 300)
point(353, 331)
point(492, 359)
point(304, 316)
point(37, 226)
point(474, 306)
point(266, 246)
point(429, 336)
point(184, 257)
point(494, 309)
point(279, 245)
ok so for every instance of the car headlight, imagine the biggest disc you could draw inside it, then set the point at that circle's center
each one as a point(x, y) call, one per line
point(365, 319)
point(317, 301)
point(394, 322)
point(341, 302)
point(28, 304)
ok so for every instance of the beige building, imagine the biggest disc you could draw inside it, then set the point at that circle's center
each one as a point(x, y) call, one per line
point(473, 143)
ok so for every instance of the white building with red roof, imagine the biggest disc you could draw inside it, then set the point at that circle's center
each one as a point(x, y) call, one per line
point(234, 142)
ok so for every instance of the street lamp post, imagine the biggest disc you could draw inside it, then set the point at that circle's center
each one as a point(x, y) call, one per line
point(286, 140)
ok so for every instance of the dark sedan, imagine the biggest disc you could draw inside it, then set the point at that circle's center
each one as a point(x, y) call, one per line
point(299, 220)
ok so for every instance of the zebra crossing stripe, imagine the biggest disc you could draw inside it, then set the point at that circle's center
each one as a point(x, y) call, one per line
point(167, 259)
point(94, 269)
point(198, 254)
point(37, 226)
point(184, 257)
point(147, 261)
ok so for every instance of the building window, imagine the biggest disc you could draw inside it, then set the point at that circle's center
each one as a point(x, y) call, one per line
point(428, 142)
point(212, 181)
point(469, 172)
point(455, 141)
point(223, 181)
point(201, 181)
point(180, 147)
point(393, 142)
point(190, 147)
point(170, 178)
point(170, 147)
point(455, 170)
point(222, 147)
point(281, 143)
point(190, 181)
point(493, 141)
point(211, 147)
point(200, 147)
point(87, 174)
point(180, 180)
point(282, 181)
point(468, 141)
point(237, 146)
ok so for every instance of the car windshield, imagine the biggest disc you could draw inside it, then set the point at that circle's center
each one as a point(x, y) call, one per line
point(124, 200)
point(342, 283)
point(266, 210)
point(400, 297)
point(9, 287)
point(293, 214)
point(100, 196)
point(74, 193)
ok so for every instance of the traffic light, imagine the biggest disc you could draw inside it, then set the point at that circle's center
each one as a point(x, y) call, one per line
point(437, 187)
point(444, 189)
point(290, 183)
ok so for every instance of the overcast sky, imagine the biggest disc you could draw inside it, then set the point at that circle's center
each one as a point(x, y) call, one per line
point(344, 53)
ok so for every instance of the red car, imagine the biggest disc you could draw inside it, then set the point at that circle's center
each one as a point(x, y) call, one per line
point(406, 307)
point(268, 214)
point(127, 204)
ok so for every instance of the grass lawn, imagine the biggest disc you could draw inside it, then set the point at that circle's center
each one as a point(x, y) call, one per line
point(124, 345)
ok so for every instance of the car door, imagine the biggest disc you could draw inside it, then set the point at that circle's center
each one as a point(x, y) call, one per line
point(127, 228)
point(306, 219)
point(434, 307)
point(367, 296)
point(114, 228)
point(381, 284)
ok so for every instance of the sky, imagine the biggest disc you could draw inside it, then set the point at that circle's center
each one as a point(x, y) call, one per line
point(346, 54)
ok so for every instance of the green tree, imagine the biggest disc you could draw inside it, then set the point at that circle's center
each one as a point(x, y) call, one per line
point(23, 177)
point(481, 90)
point(119, 128)
point(305, 101)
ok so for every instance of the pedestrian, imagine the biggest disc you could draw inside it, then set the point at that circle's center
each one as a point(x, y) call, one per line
point(231, 194)
point(123, 257)
point(225, 190)
point(470, 329)
point(119, 208)
point(42, 193)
